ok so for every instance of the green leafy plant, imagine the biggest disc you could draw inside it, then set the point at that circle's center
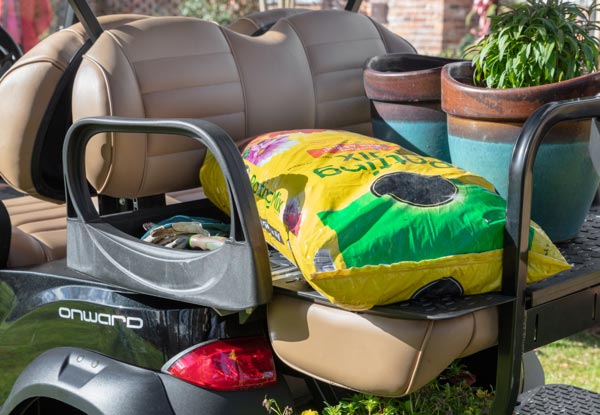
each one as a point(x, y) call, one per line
point(451, 393)
point(535, 43)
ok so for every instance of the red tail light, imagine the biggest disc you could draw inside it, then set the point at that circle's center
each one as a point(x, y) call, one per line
point(227, 365)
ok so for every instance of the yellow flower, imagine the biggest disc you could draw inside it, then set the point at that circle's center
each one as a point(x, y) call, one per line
point(481, 393)
point(309, 412)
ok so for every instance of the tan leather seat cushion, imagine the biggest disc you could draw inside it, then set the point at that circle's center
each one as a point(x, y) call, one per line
point(371, 353)
point(39, 228)
point(39, 231)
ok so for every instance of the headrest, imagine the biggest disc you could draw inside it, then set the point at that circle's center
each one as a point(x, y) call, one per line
point(255, 24)
point(305, 72)
point(35, 110)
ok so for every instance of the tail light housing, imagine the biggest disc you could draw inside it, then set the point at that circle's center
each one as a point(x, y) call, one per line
point(226, 365)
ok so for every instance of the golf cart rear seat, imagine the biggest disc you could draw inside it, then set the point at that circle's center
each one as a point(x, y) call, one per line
point(35, 120)
point(305, 72)
point(34, 123)
point(35, 115)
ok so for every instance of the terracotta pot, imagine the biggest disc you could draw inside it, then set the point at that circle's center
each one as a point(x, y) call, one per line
point(484, 123)
point(404, 90)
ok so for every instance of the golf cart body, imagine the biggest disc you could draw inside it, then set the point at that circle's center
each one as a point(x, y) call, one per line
point(91, 312)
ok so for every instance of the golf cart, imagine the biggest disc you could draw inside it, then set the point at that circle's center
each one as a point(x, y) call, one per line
point(112, 116)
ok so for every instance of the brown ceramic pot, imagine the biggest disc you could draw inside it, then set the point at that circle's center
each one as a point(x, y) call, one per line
point(404, 90)
point(484, 123)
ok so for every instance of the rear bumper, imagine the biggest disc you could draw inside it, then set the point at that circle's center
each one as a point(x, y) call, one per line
point(99, 385)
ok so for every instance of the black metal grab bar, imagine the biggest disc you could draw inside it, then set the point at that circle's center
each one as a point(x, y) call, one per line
point(511, 333)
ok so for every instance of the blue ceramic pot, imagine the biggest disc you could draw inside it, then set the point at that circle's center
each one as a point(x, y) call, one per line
point(404, 90)
point(483, 125)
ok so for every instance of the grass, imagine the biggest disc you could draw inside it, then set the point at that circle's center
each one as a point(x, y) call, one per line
point(449, 394)
point(574, 360)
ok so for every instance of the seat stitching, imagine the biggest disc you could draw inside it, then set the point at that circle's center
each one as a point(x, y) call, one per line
point(474, 325)
point(316, 121)
point(116, 40)
point(53, 62)
point(81, 37)
point(22, 210)
point(159, 91)
point(51, 217)
point(27, 202)
point(356, 68)
point(420, 353)
point(328, 101)
point(191, 55)
point(241, 78)
point(331, 42)
point(348, 126)
point(111, 113)
point(56, 227)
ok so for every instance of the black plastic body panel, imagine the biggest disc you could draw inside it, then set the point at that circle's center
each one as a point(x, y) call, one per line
point(5, 235)
point(187, 399)
point(99, 385)
point(51, 306)
point(234, 277)
point(562, 317)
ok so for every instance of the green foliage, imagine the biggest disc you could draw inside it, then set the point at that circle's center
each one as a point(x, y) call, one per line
point(450, 394)
point(219, 11)
point(535, 43)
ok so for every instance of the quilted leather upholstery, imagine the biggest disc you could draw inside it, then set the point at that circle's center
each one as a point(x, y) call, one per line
point(305, 72)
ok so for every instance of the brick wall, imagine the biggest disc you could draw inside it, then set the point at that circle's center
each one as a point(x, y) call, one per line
point(147, 7)
point(432, 26)
point(455, 12)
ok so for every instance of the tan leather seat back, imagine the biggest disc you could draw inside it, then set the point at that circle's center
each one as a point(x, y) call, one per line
point(305, 72)
point(256, 24)
point(33, 121)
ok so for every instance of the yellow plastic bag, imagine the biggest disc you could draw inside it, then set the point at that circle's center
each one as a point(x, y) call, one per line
point(369, 223)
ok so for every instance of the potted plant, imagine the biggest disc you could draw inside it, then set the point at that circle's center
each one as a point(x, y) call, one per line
point(405, 92)
point(537, 52)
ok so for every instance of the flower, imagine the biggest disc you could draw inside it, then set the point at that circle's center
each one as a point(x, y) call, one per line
point(263, 151)
point(309, 412)
point(292, 215)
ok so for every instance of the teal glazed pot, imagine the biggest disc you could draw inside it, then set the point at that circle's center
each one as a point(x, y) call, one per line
point(484, 123)
point(404, 90)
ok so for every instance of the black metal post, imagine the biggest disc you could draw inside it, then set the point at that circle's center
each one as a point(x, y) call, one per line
point(87, 18)
point(518, 213)
point(5, 235)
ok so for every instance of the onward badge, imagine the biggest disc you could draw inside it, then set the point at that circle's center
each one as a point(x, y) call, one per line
point(100, 318)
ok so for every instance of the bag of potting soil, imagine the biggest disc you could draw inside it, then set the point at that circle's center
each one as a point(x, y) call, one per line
point(369, 223)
